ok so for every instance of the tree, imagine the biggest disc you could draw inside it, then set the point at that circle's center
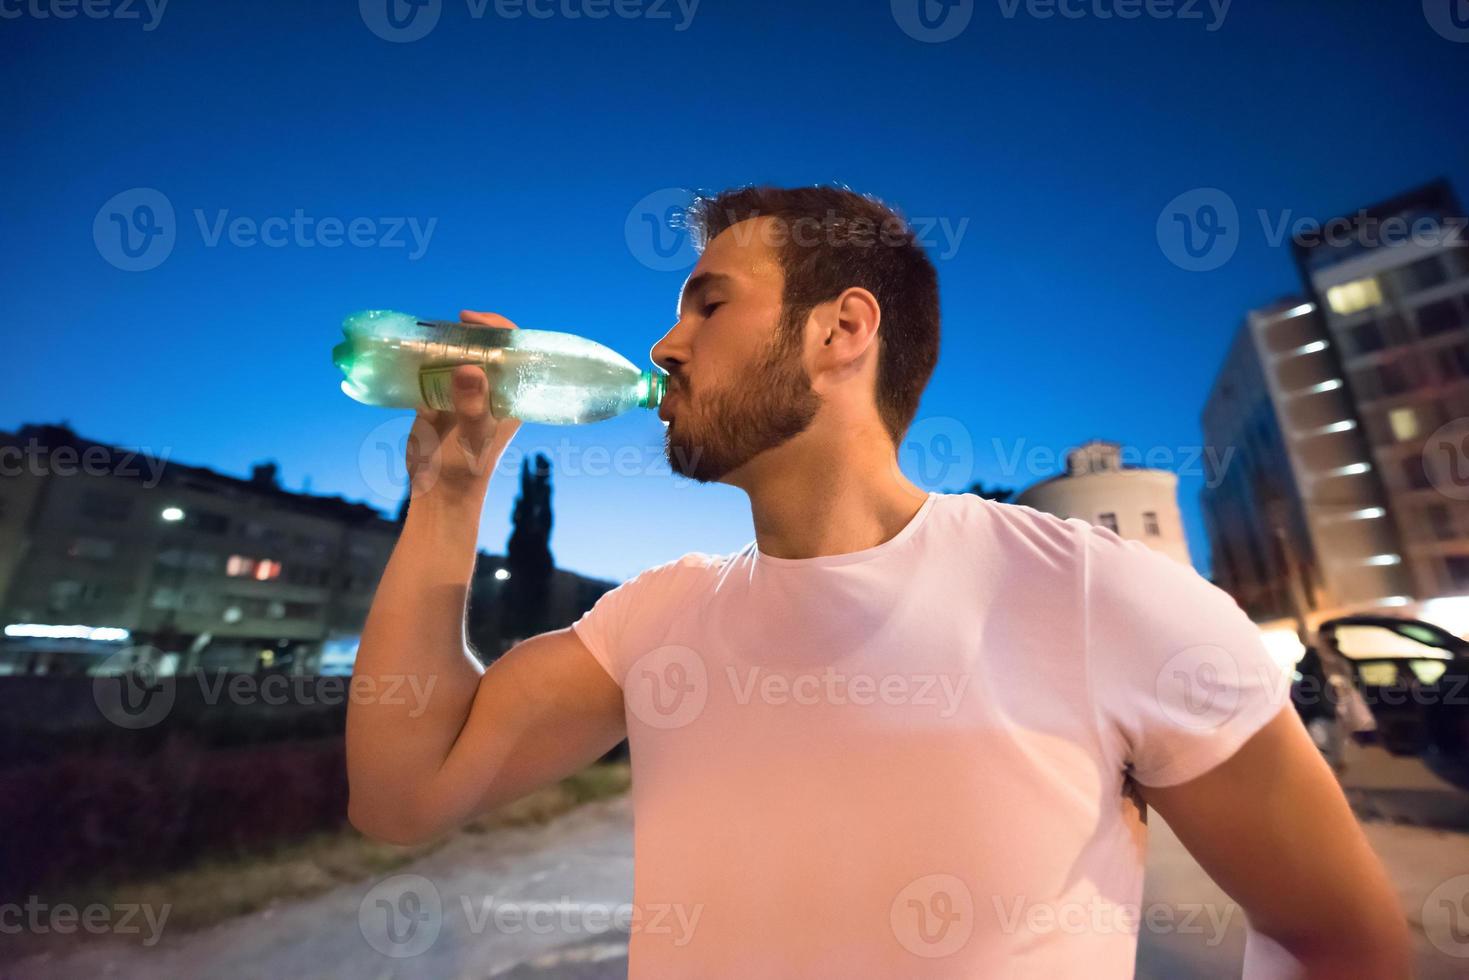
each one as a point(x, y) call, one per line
point(528, 552)
point(1000, 495)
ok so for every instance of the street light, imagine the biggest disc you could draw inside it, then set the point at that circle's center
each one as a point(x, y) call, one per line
point(172, 514)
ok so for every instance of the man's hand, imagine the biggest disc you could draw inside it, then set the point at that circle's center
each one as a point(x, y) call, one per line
point(452, 453)
point(1272, 827)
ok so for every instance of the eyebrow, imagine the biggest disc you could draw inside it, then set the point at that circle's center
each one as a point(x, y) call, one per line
point(698, 284)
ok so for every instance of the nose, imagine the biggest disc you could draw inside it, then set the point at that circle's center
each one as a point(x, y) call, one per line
point(671, 352)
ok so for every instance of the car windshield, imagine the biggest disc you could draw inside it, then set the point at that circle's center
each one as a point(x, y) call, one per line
point(1372, 642)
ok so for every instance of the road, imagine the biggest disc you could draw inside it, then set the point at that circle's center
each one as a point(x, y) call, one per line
point(543, 903)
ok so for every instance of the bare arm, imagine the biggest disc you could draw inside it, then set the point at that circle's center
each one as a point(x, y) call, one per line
point(1272, 827)
point(432, 738)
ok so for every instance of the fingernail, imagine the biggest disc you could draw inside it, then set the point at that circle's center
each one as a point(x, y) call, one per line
point(466, 381)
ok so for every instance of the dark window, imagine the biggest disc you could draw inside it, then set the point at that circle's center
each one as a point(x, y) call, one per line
point(1441, 521)
point(1453, 362)
point(1458, 568)
point(1108, 520)
point(1437, 318)
point(1366, 338)
point(1421, 275)
point(1416, 475)
point(1150, 523)
point(1393, 378)
point(208, 521)
point(106, 506)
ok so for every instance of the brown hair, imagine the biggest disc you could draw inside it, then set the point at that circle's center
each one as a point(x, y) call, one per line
point(833, 239)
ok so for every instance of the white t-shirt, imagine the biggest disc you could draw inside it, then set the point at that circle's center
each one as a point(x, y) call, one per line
point(912, 760)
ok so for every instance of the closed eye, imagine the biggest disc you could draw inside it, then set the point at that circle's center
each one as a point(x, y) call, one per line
point(709, 308)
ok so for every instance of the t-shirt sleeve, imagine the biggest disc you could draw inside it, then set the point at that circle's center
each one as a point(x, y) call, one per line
point(618, 626)
point(1180, 677)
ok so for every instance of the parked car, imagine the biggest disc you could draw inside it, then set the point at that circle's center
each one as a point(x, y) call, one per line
point(1402, 683)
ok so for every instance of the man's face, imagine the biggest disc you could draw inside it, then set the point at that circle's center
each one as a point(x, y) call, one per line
point(736, 382)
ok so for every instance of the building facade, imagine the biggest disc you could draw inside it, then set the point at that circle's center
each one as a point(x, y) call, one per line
point(1327, 404)
point(1136, 503)
point(102, 547)
point(1392, 286)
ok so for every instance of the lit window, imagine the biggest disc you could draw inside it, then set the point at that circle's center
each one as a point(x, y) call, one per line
point(1350, 297)
point(265, 570)
point(239, 566)
point(1150, 523)
point(1404, 422)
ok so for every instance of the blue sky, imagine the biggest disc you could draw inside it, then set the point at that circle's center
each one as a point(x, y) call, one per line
point(507, 162)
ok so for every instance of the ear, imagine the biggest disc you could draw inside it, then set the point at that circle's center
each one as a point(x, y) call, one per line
point(852, 327)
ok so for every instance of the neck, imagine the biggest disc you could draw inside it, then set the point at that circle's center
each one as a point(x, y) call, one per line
point(817, 495)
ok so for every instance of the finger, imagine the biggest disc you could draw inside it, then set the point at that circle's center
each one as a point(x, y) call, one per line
point(470, 394)
point(486, 319)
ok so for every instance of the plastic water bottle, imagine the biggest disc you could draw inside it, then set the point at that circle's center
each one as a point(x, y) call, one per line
point(399, 361)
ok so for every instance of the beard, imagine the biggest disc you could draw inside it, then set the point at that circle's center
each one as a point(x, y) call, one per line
point(772, 404)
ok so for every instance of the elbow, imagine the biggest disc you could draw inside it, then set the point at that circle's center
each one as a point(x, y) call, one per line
point(389, 824)
point(1378, 949)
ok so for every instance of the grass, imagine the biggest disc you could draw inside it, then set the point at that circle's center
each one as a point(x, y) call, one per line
point(220, 889)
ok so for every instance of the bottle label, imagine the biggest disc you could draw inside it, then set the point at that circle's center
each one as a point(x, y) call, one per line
point(437, 387)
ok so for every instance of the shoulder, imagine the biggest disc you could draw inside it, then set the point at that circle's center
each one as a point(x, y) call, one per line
point(1015, 531)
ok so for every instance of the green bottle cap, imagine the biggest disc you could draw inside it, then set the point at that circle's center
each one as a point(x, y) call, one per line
point(651, 387)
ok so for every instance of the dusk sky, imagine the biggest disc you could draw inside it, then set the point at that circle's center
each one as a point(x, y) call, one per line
point(519, 164)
